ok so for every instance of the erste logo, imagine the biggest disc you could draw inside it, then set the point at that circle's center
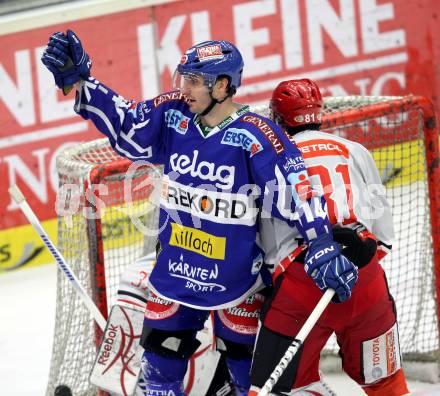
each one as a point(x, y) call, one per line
point(177, 121)
point(242, 138)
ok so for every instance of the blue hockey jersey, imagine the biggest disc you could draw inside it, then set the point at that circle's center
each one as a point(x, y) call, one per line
point(216, 184)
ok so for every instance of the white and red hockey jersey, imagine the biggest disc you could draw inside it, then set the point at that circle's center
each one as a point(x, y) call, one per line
point(346, 174)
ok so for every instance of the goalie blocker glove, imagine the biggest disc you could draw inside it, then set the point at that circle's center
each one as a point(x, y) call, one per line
point(329, 268)
point(66, 59)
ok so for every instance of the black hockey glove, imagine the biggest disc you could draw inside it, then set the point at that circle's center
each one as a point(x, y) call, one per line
point(358, 245)
point(329, 268)
point(66, 59)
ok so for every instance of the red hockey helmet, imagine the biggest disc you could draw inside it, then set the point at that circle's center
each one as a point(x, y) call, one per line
point(296, 102)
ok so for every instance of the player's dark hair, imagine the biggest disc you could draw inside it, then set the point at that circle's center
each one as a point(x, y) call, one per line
point(229, 90)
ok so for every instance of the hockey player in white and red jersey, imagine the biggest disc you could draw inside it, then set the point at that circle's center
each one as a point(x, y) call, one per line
point(365, 325)
point(219, 161)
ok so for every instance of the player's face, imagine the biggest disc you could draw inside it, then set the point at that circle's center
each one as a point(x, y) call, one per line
point(196, 92)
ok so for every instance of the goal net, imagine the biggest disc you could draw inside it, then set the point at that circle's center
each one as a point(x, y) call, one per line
point(107, 211)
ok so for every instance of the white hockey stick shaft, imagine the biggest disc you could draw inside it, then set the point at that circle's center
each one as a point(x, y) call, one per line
point(296, 344)
point(19, 198)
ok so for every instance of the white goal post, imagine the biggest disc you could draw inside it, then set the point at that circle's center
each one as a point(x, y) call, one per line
point(401, 133)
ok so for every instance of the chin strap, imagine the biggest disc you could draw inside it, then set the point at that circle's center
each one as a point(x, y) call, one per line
point(213, 103)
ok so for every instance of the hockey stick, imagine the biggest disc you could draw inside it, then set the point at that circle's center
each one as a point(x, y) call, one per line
point(296, 343)
point(19, 198)
point(390, 173)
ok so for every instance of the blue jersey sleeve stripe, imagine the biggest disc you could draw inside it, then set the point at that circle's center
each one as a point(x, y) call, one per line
point(113, 137)
point(111, 132)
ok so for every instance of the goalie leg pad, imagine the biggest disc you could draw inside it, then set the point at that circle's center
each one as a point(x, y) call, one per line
point(269, 350)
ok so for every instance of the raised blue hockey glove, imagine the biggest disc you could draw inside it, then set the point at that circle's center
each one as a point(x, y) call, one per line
point(66, 60)
point(56, 55)
point(329, 268)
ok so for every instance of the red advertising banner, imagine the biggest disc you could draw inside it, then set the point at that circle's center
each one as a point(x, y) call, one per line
point(351, 47)
point(38, 122)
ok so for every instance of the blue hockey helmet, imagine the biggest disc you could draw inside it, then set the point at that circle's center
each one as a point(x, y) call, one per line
point(212, 59)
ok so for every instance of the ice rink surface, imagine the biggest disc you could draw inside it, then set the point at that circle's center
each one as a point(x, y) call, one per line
point(27, 313)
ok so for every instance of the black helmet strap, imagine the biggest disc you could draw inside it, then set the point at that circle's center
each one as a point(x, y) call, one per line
point(214, 102)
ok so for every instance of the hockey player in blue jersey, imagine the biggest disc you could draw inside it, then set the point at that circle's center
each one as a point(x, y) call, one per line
point(224, 167)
